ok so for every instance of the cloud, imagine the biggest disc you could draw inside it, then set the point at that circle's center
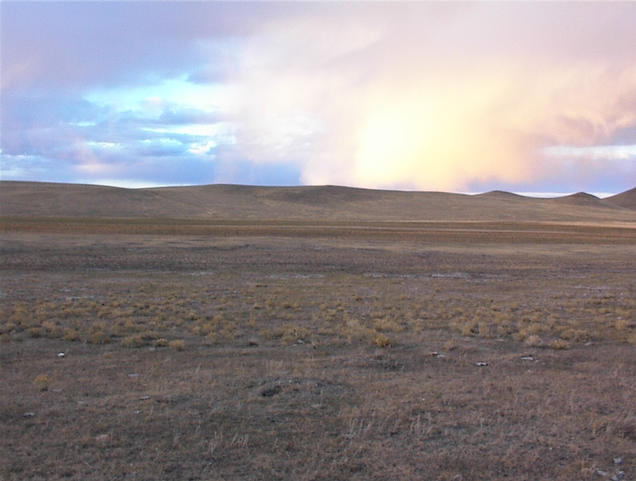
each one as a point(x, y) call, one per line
point(477, 100)
point(596, 152)
point(443, 96)
point(67, 139)
point(73, 45)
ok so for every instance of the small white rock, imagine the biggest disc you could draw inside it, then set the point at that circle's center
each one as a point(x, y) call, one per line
point(481, 364)
point(60, 354)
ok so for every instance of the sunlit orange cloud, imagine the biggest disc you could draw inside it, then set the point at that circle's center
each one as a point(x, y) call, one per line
point(436, 104)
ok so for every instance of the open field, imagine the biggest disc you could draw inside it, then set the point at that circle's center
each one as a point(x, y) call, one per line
point(317, 350)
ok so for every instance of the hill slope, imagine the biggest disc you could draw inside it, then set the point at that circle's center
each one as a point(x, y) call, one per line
point(302, 203)
point(626, 199)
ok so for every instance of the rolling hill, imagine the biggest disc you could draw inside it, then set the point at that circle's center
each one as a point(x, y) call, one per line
point(220, 201)
point(626, 199)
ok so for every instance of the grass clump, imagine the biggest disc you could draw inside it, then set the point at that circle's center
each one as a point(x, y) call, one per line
point(470, 328)
point(43, 381)
point(533, 341)
point(71, 335)
point(133, 341)
point(623, 324)
point(559, 344)
point(382, 340)
point(177, 344)
point(34, 332)
point(98, 337)
point(387, 325)
point(450, 345)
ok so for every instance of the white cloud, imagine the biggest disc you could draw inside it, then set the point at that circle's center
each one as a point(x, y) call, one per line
point(596, 152)
point(412, 103)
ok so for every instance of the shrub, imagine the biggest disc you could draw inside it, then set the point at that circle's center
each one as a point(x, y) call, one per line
point(486, 330)
point(98, 337)
point(290, 333)
point(34, 332)
point(450, 345)
point(43, 381)
point(387, 325)
point(132, 341)
point(470, 328)
point(623, 324)
point(382, 340)
point(576, 335)
point(355, 330)
point(7, 327)
point(559, 344)
point(533, 341)
point(177, 344)
point(71, 335)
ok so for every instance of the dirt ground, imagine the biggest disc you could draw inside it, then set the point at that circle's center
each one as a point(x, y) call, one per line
point(317, 352)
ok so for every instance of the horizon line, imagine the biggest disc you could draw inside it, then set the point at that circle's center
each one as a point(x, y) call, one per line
point(152, 185)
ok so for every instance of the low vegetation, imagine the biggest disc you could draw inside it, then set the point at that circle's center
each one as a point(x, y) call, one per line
point(321, 358)
point(218, 309)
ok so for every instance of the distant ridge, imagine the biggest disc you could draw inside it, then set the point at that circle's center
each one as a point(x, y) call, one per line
point(501, 194)
point(625, 199)
point(335, 203)
point(580, 198)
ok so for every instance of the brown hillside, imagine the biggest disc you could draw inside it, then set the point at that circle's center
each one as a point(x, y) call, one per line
point(625, 199)
point(501, 195)
point(297, 203)
point(582, 199)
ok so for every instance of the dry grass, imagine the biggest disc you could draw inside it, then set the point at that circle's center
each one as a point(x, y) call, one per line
point(356, 357)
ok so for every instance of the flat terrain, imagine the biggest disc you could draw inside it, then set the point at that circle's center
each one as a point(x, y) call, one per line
point(318, 349)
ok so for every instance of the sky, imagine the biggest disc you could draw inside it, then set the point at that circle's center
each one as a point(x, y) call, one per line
point(447, 96)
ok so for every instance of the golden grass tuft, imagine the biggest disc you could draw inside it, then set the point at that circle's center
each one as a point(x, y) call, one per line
point(533, 341)
point(382, 340)
point(133, 341)
point(559, 344)
point(177, 344)
point(43, 381)
point(98, 337)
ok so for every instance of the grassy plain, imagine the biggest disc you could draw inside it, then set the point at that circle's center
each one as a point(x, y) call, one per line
point(316, 350)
